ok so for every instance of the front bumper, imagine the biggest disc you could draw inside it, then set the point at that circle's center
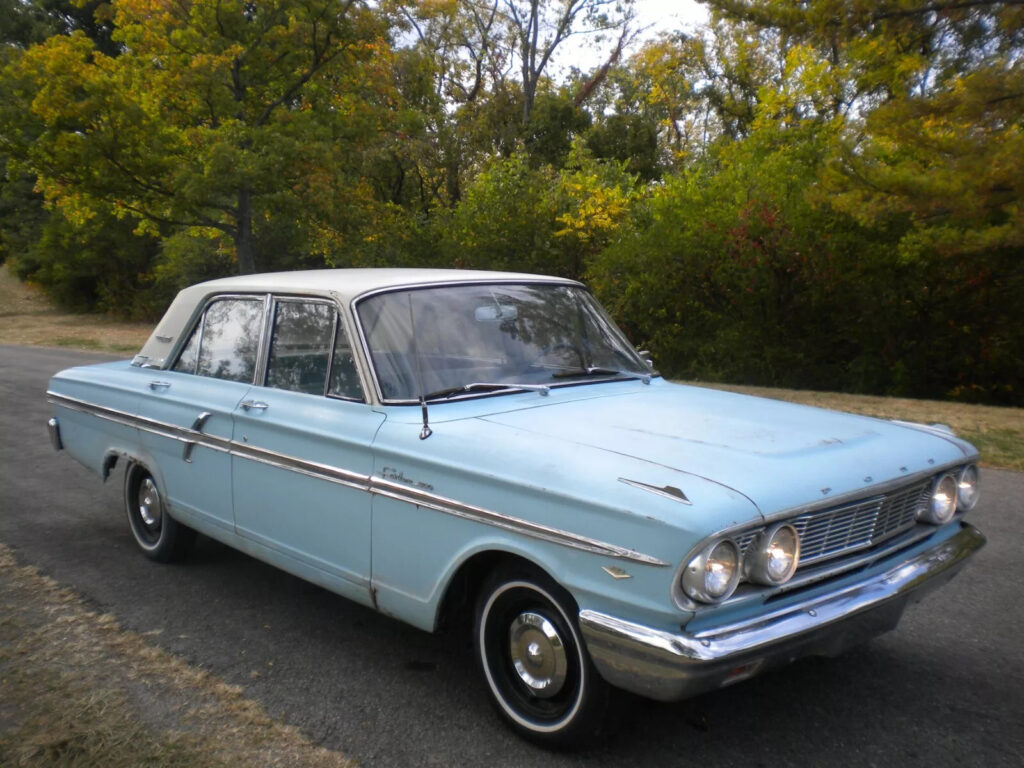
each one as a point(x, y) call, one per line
point(670, 666)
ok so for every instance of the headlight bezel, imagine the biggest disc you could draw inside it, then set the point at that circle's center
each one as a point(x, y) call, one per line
point(756, 560)
point(944, 491)
point(693, 580)
point(966, 501)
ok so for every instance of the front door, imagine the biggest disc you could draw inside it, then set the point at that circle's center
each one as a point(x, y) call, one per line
point(302, 459)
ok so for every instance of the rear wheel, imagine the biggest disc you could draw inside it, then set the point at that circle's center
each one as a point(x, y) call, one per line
point(528, 645)
point(158, 535)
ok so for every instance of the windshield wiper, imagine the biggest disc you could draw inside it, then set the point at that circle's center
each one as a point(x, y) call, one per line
point(594, 370)
point(484, 386)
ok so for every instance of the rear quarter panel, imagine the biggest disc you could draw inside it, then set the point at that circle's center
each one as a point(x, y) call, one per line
point(88, 435)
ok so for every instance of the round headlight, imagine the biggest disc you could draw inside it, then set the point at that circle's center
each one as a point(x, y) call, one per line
point(941, 506)
point(713, 574)
point(774, 557)
point(967, 488)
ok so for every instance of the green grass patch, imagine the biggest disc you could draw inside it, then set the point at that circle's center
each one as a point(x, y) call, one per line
point(72, 343)
point(1002, 448)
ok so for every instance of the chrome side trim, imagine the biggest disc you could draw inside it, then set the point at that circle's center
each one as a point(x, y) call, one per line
point(535, 530)
point(673, 665)
point(371, 484)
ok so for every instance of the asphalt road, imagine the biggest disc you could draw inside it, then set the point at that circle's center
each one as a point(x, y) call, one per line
point(945, 689)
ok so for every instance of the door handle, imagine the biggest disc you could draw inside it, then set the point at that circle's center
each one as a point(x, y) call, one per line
point(254, 405)
point(154, 385)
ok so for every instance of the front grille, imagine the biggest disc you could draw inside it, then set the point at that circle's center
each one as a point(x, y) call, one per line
point(837, 531)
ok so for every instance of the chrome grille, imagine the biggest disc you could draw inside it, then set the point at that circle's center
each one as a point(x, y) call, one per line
point(836, 531)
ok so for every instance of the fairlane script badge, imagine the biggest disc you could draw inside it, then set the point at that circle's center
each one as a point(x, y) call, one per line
point(395, 475)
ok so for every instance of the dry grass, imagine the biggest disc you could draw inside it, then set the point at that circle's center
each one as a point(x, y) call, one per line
point(76, 690)
point(27, 317)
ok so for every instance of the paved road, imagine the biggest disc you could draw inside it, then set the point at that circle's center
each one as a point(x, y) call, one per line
point(945, 689)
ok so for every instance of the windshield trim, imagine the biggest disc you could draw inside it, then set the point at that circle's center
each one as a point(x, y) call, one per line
point(512, 390)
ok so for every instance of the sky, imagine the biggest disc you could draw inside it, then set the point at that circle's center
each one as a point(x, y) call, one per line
point(666, 15)
point(654, 15)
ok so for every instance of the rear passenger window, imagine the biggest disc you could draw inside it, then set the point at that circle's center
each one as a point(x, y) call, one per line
point(300, 347)
point(231, 339)
point(190, 354)
point(224, 345)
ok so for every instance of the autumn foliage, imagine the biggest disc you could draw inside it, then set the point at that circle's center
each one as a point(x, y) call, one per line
point(824, 194)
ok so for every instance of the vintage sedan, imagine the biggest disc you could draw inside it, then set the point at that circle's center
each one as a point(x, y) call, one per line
point(440, 444)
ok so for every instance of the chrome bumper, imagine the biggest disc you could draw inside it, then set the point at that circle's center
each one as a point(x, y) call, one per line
point(670, 666)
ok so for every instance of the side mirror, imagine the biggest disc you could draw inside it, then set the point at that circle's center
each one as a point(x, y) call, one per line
point(647, 357)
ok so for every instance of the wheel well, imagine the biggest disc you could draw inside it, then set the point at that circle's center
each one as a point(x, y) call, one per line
point(109, 463)
point(456, 611)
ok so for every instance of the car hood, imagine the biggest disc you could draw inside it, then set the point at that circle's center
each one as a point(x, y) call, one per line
point(777, 454)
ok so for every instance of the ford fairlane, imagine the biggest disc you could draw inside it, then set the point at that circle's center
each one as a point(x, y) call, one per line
point(442, 445)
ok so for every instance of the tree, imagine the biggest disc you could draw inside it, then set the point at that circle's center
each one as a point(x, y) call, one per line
point(24, 23)
point(932, 99)
point(535, 31)
point(492, 92)
point(216, 115)
point(518, 216)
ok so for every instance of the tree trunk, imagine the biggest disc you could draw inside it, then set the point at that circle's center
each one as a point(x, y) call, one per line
point(243, 234)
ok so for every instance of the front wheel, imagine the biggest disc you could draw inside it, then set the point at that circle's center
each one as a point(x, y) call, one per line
point(159, 536)
point(528, 645)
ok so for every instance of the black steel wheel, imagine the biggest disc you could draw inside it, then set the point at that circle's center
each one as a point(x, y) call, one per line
point(528, 645)
point(158, 535)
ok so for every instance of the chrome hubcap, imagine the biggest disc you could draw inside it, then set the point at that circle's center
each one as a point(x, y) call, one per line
point(538, 654)
point(150, 508)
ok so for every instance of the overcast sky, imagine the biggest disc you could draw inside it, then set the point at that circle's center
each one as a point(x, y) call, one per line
point(652, 15)
point(670, 14)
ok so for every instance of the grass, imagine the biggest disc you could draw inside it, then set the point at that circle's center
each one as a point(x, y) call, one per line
point(77, 690)
point(26, 317)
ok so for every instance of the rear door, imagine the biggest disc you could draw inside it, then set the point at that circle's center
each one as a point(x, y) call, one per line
point(188, 408)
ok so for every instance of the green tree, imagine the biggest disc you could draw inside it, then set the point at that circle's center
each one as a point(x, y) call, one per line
point(518, 216)
point(216, 116)
point(933, 96)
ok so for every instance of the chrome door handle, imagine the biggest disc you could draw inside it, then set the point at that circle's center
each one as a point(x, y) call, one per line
point(254, 405)
point(159, 385)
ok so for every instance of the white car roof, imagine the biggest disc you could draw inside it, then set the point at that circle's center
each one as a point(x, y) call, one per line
point(342, 285)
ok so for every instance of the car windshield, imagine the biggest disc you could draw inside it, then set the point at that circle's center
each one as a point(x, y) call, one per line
point(463, 339)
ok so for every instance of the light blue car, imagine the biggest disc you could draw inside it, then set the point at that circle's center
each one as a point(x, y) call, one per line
point(441, 444)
